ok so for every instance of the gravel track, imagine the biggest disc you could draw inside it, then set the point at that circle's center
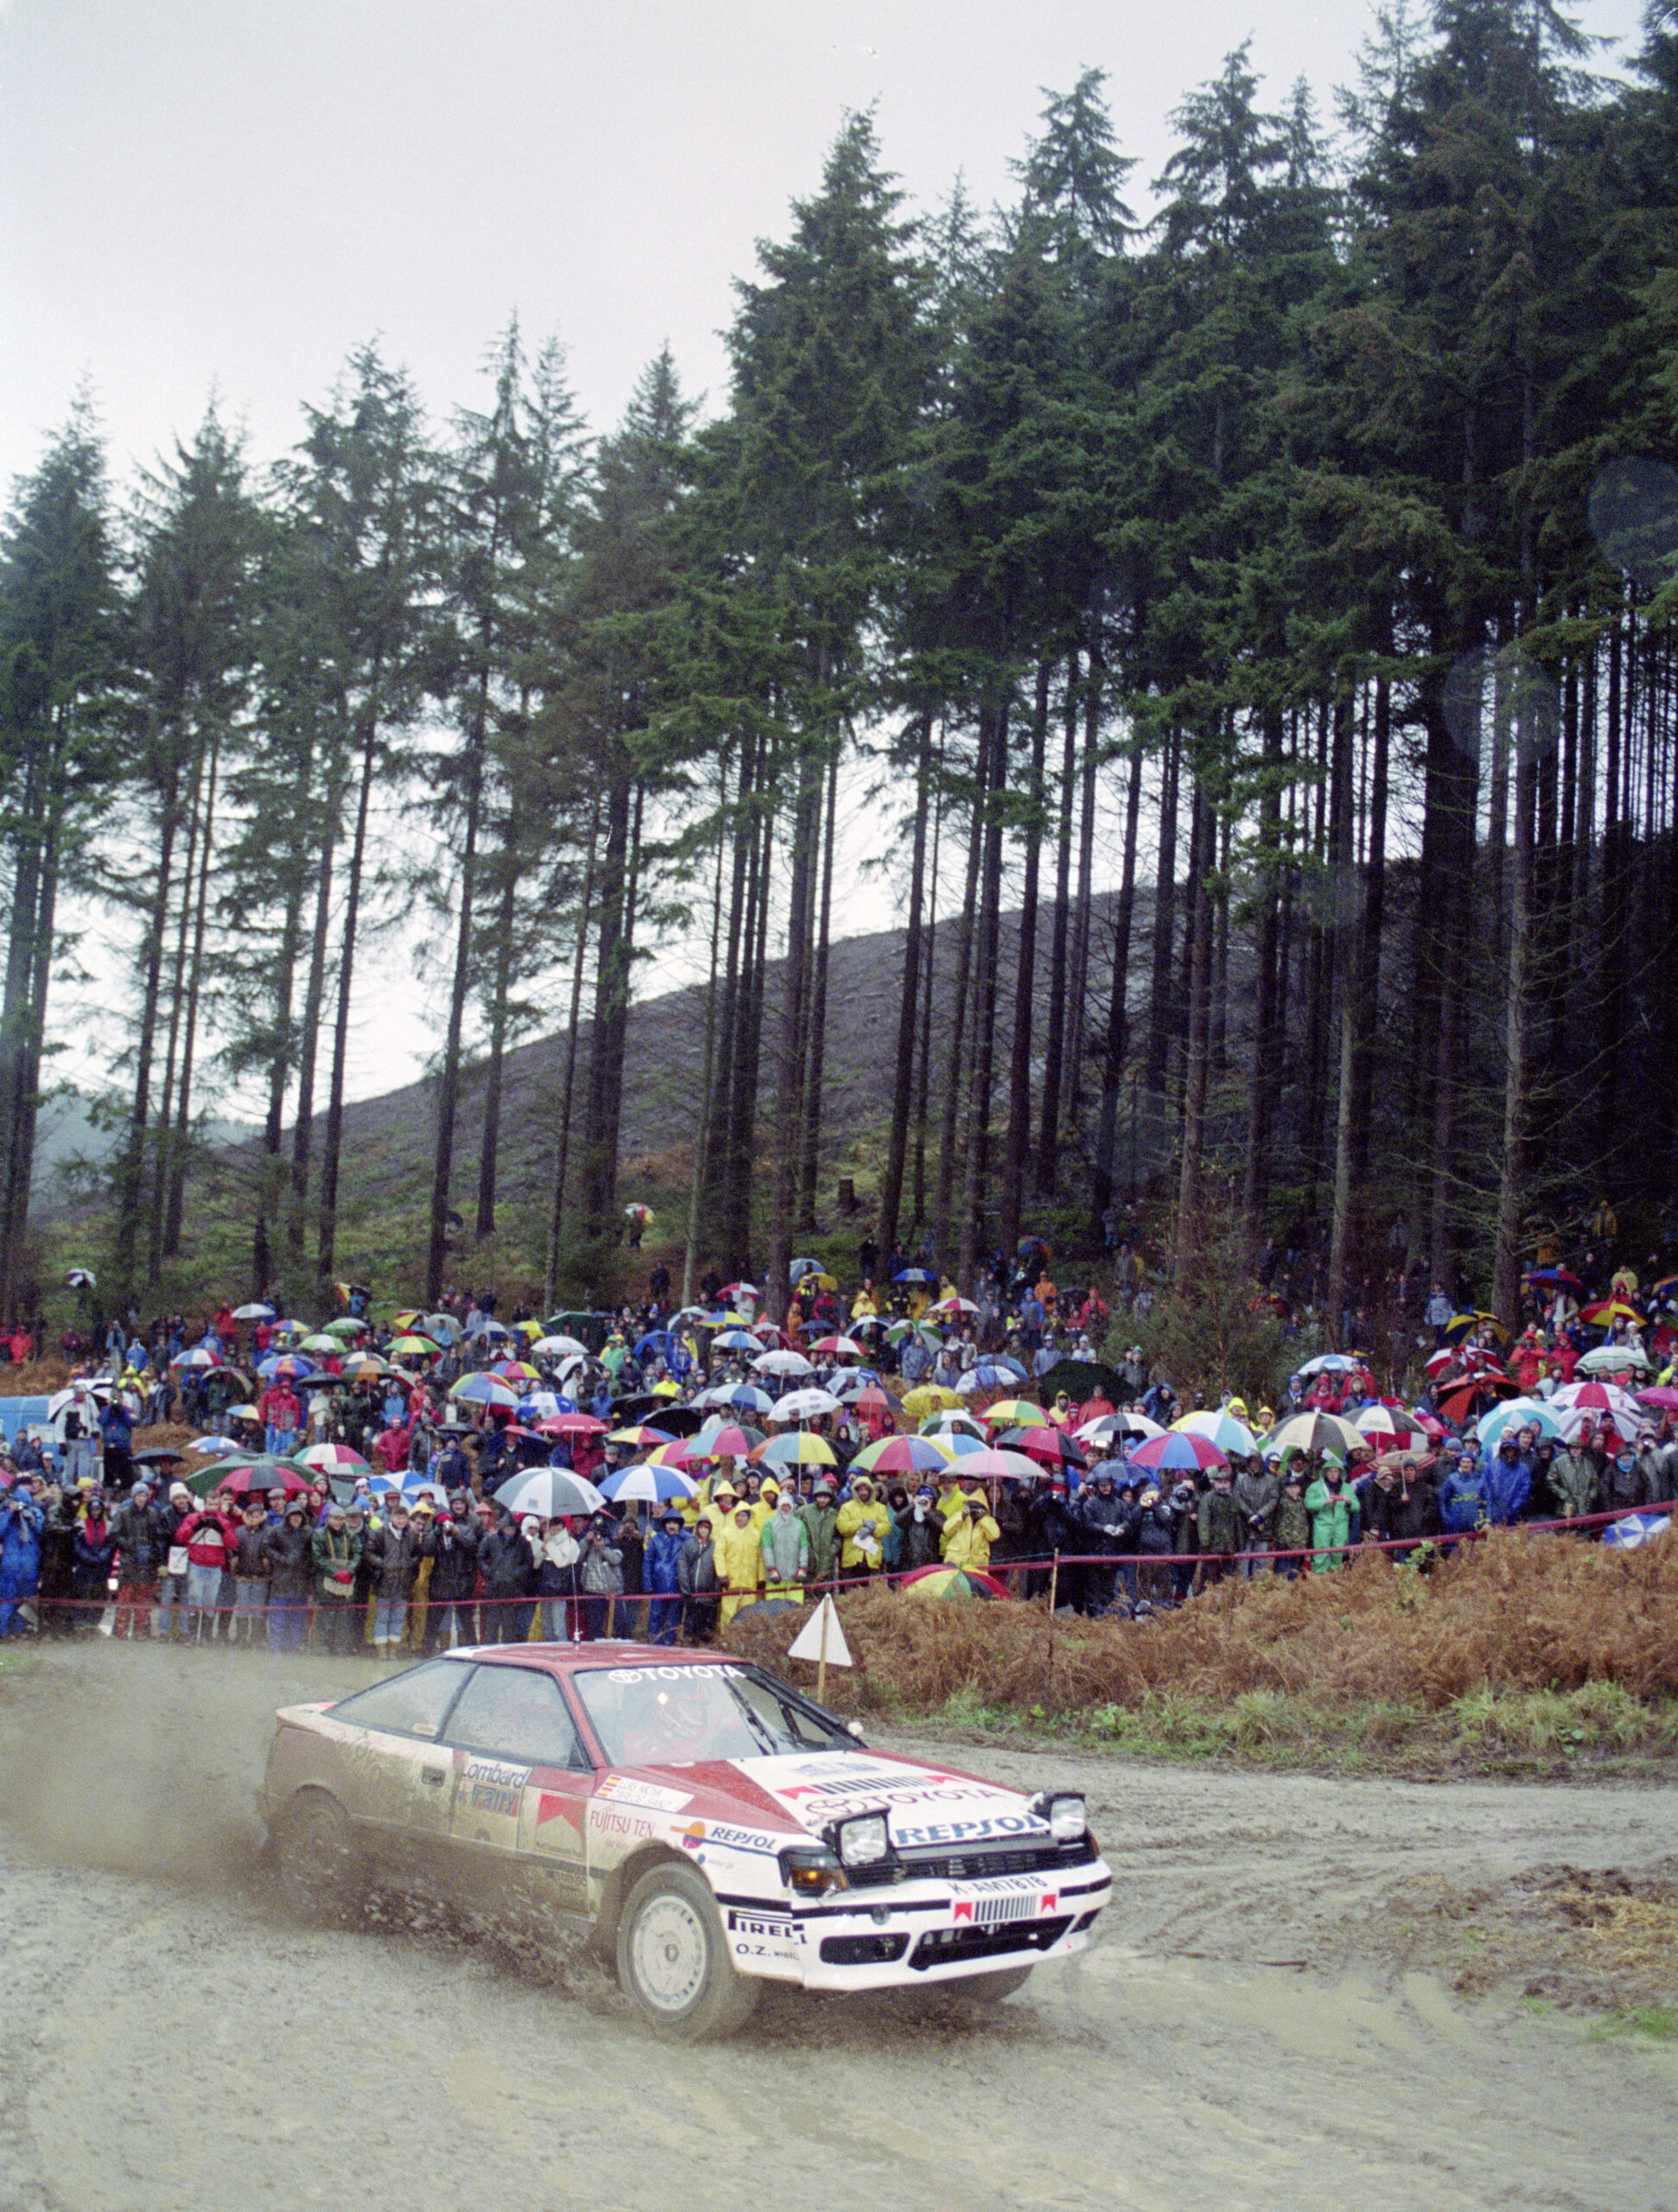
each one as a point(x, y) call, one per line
point(1275, 2016)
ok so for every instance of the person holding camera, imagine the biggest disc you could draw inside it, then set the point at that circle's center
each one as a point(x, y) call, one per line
point(600, 1574)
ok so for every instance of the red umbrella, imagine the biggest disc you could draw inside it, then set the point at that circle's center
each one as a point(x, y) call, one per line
point(574, 1424)
point(1179, 1451)
point(1052, 1445)
point(1465, 1397)
point(873, 1400)
point(1444, 1357)
point(258, 1481)
point(1663, 1400)
point(729, 1443)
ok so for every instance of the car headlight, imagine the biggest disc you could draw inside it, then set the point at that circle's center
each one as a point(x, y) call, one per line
point(809, 1870)
point(863, 1841)
point(1066, 1814)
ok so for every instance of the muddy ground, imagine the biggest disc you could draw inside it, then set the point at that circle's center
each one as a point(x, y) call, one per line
point(1309, 1993)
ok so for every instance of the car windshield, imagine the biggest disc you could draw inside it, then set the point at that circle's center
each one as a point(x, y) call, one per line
point(676, 1716)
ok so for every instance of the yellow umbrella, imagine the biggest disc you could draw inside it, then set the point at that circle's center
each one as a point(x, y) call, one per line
point(929, 1398)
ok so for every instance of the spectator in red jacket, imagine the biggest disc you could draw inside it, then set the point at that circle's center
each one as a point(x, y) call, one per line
point(283, 1411)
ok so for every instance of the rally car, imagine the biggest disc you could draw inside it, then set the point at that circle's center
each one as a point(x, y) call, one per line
point(705, 1826)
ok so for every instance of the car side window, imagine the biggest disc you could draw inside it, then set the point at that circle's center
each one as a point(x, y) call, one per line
point(411, 1704)
point(520, 1715)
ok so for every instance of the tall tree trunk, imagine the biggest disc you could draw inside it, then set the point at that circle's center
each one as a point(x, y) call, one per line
point(952, 1086)
point(177, 1190)
point(332, 1149)
point(794, 1014)
point(929, 974)
point(1265, 1086)
point(1016, 1158)
point(1078, 986)
point(131, 1172)
point(816, 1053)
point(994, 733)
point(1054, 1049)
point(568, 1086)
point(488, 1153)
point(891, 1188)
point(449, 1081)
point(163, 1143)
point(1117, 1039)
point(1165, 899)
point(1197, 1056)
point(707, 1063)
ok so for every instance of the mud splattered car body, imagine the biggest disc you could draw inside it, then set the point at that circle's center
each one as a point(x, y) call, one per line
point(709, 1827)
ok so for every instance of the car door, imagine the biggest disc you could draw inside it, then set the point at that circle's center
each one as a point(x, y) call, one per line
point(522, 1787)
point(390, 1769)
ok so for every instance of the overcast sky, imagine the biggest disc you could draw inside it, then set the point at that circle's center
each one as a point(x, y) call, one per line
point(230, 194)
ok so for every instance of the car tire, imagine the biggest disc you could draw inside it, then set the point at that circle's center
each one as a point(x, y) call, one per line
point(990, 1988)
point(673, 1961)
point(322, 1872)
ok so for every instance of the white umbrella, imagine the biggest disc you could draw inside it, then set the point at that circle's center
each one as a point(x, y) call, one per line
point(1614, 1359)
point(253, 1312)
point(216, 1444)
point(1110, 1428)
point(804, 1405)
point(644, 1485)
point(782, 1363)
point(550, 1493)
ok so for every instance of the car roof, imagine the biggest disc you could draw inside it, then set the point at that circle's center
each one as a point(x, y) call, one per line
point(577, 1658)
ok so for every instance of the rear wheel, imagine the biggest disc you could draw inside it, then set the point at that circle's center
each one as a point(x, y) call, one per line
point(323, 1876)
point(990, 1988)
point(673, 1959)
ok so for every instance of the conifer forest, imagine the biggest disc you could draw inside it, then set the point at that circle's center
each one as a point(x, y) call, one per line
point(1241, 604)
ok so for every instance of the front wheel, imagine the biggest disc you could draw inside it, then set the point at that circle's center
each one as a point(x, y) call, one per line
point(323, 1877)
point(673, 1959)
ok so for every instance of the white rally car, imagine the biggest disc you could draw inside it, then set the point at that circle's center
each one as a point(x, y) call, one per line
point(707, 1826)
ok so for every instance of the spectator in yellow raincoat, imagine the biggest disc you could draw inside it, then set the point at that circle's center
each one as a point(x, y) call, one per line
point(738, 1552)
point(862, 1526)
point(969, 1535)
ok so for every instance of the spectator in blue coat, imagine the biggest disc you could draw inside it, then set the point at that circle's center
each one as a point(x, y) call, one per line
point(20, 1556)
point(1464, 1496)
point(1508, 1482)
point(661, 1580)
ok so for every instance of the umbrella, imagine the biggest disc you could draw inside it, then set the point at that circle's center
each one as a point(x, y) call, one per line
point(1659, 1400)
point(1014, 1412)
point(415, 1487)
point(253, 1312)
point(370, 1368)
point(484, 1390)
point(1634, 1528)
point(208, 1447)
point(1517, 1413)
point(799, 1268)
point(742, 1397)
point(164, 1455)
point(545, 1405)
point(725, 1440)
point(197, 1358)
point(960, 1583)
point(99, 1391)
point(1614, 1359)
point(1472, 1395)
point(738, 1340)
point(577, 1425)
point(82, 1279)
point(678, 1452)
point(899, 1332)
point(953, 1305)
point(900, 1455)
point(329, 1457)
point(914, 1275)
point(990, 1465)
point(1231, 1437)
point(1311, 1432)
point(345, 1325)
point(291, 1327)
point(1178, 1453)
point(929, 1398)
point(639, 1436)
point(258, 1476)
point(988, 1375)
point(648, 1485)
point(1111, 1426)
point(841, 1347)
point(801, 1448)
point(960, 1424)
point(803, 1405)
point(741, 1290)
point(1607, 1310)
point(515, 1370)
point(328, 1346)
point(409, 1346)
point(638, 1212)
point(285, 1367)
point(1466, 1325)
point(1047, 1443)
point(1390, 1430)
point(552, 1493)
point(782, 1363)
point(560, 1347)
point(1553, 1275)
point(1029, 1244)
point(1329, 1362)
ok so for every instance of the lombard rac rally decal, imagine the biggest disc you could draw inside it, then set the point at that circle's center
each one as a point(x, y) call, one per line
point(492, 1786)
point(627, 1790)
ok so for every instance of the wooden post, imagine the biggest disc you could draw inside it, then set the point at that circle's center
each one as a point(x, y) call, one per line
point(611, 1616)
point(821, 1663)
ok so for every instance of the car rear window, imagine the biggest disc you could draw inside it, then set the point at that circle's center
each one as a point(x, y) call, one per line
point(412, 1704)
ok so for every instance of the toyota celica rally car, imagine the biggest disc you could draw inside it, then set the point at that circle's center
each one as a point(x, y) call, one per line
point(704, 1824)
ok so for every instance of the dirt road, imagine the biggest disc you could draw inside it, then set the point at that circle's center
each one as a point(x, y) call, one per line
point(1312, 1995)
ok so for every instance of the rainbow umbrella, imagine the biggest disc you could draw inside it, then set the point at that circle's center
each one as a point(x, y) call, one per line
point(725, 1440)
point(1231, 1436)
point(1177, 1453)
point(484, 1390)
point(409, 1346)
point(900, 1455)
point(802, 1449)
point(1014, 1413)
point(962, 1584)
point(640, 1437)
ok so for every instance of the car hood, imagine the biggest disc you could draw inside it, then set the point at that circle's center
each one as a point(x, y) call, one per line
point(924, 1805)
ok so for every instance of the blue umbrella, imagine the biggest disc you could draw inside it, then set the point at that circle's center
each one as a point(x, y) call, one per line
point(915, 1275)
point(1634, 1528)
point(737, 1340)
point(660, 1342)
point(647, 1484)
